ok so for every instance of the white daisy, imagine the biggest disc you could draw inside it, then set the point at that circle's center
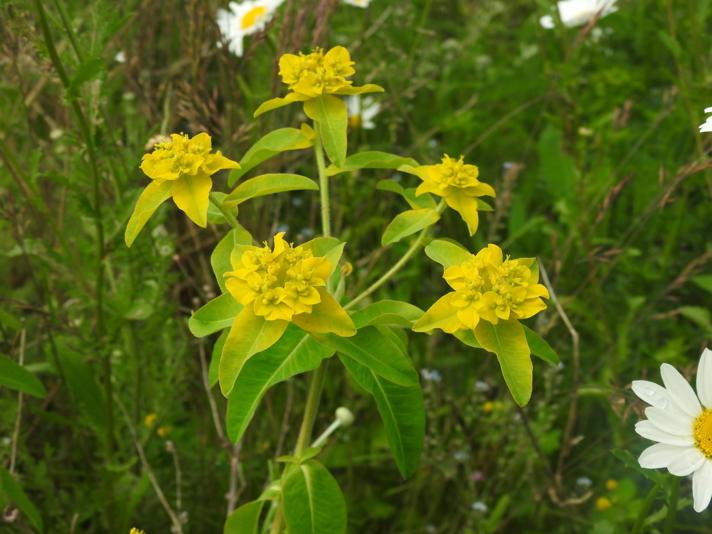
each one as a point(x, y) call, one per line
point(362, 111)
point(681, 426)
point(245, 18)
point(579, 12)
point(357, 3)
point(707, 125)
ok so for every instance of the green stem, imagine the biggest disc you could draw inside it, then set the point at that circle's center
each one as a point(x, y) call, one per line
point(414, 247)
point(230, 217)
point(672, 506)
point(323, 186)
point(643, 513)
point(101, 248)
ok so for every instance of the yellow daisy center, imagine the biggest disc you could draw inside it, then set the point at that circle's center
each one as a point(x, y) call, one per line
point(703, 433)
point(252, 17)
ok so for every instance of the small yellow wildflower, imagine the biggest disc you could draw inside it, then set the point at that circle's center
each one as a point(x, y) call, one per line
point(180, 168)
point(486, 287)
point(457, 183)
point(135, 530)
point(150, 420)
point(487, 407)
point(603, 503)
point(287, 283)
point(611, 484)
point(315, 74)
point(163, 431)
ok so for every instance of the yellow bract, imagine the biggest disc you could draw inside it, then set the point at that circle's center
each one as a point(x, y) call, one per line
point(486, 287)
point(287, 283)
point(456, 182)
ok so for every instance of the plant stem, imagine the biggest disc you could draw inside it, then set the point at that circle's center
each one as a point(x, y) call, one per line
point(414, 247)
point(230, 217)
point(323, 186)
point(101, 249)
point(643, 513)
point(672, 506)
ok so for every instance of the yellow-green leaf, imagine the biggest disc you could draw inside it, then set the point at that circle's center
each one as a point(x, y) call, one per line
point(220, 258)
point(509, 342)
point(269, 184)
point(245, 519)
point(215, 315)
point(248, 335)
point(408, 223)
point(276, 103)
point(16, 377)
point(446, 252)
point(327, 317)
point(371, 159)
point(330, 117)
point(155, 194)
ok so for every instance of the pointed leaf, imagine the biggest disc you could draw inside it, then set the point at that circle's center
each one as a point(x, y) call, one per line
point(18, 378)
point(248, 335)
point(275, 103)
point(215, 358)
point(330, 117)
point(377, 352)
point(509, 342)
point(387, 312)
point(245, 519)
point(540, 347)
point(11, 491)
point(295, 353)
point(155, 194)
point(371, 159)
point(408, 223)
point(220, 258)
point(217, 314)
point(446, 252)
point(414, 201)
point(313, 502)
point(402, 412)
point(269, 184)
point(270, 145)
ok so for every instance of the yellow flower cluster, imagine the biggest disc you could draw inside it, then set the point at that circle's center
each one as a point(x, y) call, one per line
point(317, 73)
point(487, 287)
point(281, 282)
point(456, 182)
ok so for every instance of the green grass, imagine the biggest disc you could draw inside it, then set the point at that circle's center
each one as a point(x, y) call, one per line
point(590, 140)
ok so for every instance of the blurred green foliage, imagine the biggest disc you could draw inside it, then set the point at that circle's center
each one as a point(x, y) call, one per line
point(589, 136)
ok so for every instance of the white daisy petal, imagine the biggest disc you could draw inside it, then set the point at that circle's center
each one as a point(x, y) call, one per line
point(687, 462)
point(659, 455)
point(650, 431)
point(704, 378)
point(667, 422)
point(702, 486)
point(680, 391)
point(654, 394)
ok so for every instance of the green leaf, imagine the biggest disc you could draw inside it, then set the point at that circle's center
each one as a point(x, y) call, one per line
point(155, 194)
point(387, 312)
point(408, 223)
point(245, 519)
point(313, 502)
point(402, 412)
point(509, 342)
point(330, 117)
point(446, 252)
point(249, 334)
point(377, 352)
point(275, 103)
point(11, 491)
point(217, 314)
point(467, 336)
point(269, 184)
point(85, 389)
point(276, 142)
point(220, 258)
point(295, 353)
point(88, 70)
point(699, 316)
point(540, 347)
point(215, 358)
point(557, 169)
point(328, 247)
point(416, 202)
point(371, 159)
point(215, 216)
point(10, 321)
point(704, 281)
point(18, 378)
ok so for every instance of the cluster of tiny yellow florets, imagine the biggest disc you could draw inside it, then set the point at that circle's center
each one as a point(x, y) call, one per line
point(184, 156)
point(280, 282)
point(492, 288)
point(457, 173)
point(317, 73)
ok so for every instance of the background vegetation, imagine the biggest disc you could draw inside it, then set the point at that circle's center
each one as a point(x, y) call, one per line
point(589, 136)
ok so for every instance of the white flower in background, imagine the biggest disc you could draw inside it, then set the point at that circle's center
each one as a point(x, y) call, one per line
point(479, 506)
point(431, 375)
point(245, 18)
point(120, 57)
point(362, 111)
point(681, 426)
point(579, 12)
point(357, 3)
point(707, 125)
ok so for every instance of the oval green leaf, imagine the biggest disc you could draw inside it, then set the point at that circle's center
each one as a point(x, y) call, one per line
point(216, 315)
point(330, 117)
point(446, 252)
point(16, 377)
point(372, 159)
point(408, 223)
point(269, 184)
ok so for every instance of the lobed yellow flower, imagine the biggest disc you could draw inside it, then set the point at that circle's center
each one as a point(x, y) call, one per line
point(287, 283)
point(318, 73)
point(458, 184)
point(603, 503)
point(150, 420)
point(135, 530)
point(180, 168)
point(486, 287)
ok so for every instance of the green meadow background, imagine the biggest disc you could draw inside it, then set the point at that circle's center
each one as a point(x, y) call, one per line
point(590, 137)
